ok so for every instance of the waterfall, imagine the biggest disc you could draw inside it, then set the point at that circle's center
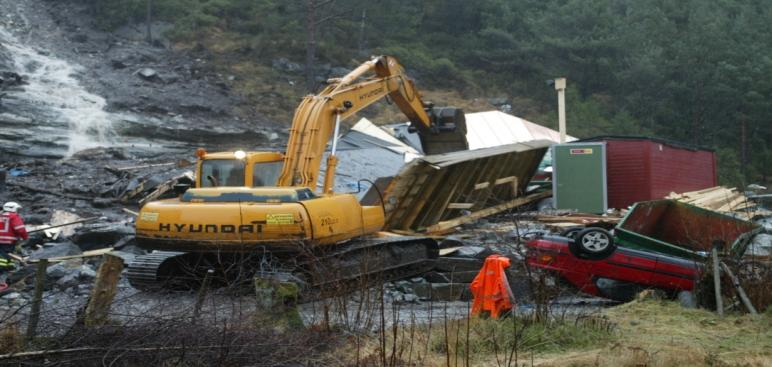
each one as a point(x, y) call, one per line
point(53, 102)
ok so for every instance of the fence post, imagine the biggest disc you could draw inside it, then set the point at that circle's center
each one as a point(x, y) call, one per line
point(202, 294)
point(717, 279)
point(105, 287)
point(37, 298)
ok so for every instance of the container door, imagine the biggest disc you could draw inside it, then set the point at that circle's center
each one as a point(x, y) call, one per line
point(579, 177)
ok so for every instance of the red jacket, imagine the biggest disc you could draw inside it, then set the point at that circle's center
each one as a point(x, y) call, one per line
point(11, 228)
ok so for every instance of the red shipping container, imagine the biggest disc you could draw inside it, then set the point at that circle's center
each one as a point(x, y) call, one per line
point(640, 169)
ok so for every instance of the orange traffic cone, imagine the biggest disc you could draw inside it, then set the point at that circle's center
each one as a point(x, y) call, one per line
point(490, 288)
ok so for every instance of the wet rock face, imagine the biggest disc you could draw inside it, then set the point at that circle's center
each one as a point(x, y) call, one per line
point(67, 91)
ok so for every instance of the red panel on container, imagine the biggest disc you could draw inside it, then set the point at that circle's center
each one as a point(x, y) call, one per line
point(679, 170)
point(643, 169)
point(627, 167)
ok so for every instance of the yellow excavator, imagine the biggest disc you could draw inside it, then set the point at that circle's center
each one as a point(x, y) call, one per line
point(255, 212)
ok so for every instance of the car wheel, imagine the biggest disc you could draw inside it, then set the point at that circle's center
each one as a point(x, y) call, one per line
point(593, 244)
point(571, 232)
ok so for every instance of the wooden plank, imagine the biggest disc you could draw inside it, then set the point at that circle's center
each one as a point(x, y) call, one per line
point(481, 185)
point(445, 225)
point(460, 205)
point(504, 180)
point(105, 287)
point(101, 251)
point(143, 166)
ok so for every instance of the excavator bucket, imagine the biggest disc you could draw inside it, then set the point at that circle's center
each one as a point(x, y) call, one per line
point(448, 132)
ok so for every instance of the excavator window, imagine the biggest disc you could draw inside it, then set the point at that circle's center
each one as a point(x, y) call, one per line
point(266, 173)
point(222, 172)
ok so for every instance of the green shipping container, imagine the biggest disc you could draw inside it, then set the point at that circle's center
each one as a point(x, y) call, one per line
point(579, 177)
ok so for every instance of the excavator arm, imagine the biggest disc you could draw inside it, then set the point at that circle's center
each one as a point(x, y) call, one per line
point(318, 117)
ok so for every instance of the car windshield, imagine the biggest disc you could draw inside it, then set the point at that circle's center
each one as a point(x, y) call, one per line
point(266, 173)
point(222, 172)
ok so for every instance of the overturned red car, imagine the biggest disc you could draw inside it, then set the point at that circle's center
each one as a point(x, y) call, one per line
point(592, 262)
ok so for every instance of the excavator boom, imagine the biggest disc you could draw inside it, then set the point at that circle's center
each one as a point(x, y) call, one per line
point(318, 117)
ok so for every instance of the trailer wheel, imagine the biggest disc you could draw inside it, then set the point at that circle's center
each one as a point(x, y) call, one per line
point(592, 243)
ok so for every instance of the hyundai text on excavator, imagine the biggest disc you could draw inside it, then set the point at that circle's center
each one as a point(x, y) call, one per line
point(253, 212)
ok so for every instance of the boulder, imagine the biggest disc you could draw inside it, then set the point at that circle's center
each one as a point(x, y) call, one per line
point(85, 272)
point(54, 249)
point(61, 270)
point(68, 281)
point(101, 235)
point(82, 274)
point(148, 74)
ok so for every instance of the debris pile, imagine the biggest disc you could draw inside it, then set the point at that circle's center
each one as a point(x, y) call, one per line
point(722, 199)
point(436, 193)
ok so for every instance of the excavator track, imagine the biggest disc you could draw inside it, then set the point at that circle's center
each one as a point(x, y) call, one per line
point(325, 271)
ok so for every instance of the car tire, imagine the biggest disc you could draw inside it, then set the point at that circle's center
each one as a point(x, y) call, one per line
point(593, 244)
point(571, 232)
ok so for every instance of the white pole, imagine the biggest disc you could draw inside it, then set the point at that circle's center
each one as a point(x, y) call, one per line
point(560, 86)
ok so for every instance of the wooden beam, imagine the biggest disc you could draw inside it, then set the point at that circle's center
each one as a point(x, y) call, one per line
point(449, 224)
point(105, 287)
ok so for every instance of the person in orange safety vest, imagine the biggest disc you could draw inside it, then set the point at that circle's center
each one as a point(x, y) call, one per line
point(490, 288)
point(11, 231)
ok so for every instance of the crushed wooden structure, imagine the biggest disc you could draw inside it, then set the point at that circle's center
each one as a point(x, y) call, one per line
point(438, 192)
point(721, 199)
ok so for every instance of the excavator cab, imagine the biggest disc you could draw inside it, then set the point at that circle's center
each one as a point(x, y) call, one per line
point(238, 169)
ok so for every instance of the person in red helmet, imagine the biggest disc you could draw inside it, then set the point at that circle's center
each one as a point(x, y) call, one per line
point(12, 230)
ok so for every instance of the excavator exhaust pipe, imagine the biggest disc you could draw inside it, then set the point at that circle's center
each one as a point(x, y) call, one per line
point(448, 131)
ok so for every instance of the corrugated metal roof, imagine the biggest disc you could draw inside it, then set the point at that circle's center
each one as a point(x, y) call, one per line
point(494, 128)
point(489, 129)
point(365, 134)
